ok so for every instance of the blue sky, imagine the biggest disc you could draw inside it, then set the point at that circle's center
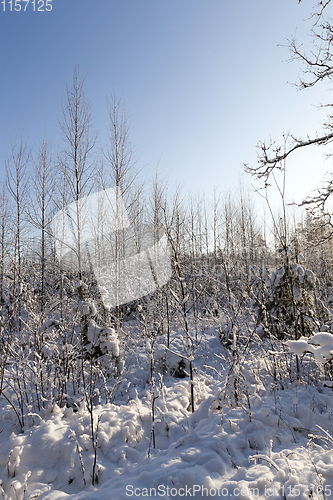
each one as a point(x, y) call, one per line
point(202, 81)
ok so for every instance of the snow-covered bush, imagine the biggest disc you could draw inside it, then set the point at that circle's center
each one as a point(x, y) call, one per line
point(320, 345)
point(286, 300)
point(103, 343)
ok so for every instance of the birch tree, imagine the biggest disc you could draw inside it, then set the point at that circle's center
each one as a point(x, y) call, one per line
point(76, 164)
point(16, 167)
point(120, 168)
point(40, 208)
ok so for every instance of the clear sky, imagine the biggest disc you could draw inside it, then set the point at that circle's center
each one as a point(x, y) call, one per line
point(202, 81)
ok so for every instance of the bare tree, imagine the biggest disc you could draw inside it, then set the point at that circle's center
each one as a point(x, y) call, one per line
point(119, 153)
point(4, 226)
point(175, 228)
point(16, 166)
point(76, 126)
point(317, 67)
point(120, 167)
point(40, 207)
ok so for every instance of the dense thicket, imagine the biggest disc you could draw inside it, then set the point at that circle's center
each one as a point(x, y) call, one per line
point(60, 342)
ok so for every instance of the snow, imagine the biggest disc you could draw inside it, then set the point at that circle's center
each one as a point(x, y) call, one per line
point(298, 347)
point(320, 344)
point(249, 451)
point(322, 339)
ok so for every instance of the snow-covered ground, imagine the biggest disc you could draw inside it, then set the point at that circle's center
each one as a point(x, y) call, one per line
point(261, 448)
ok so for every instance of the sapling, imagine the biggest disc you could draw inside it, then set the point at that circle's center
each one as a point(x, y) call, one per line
point(94, 437)
point(155, 395)
point(78, 449)
point(25, 484)
point(280, 474)
point(8, 463)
